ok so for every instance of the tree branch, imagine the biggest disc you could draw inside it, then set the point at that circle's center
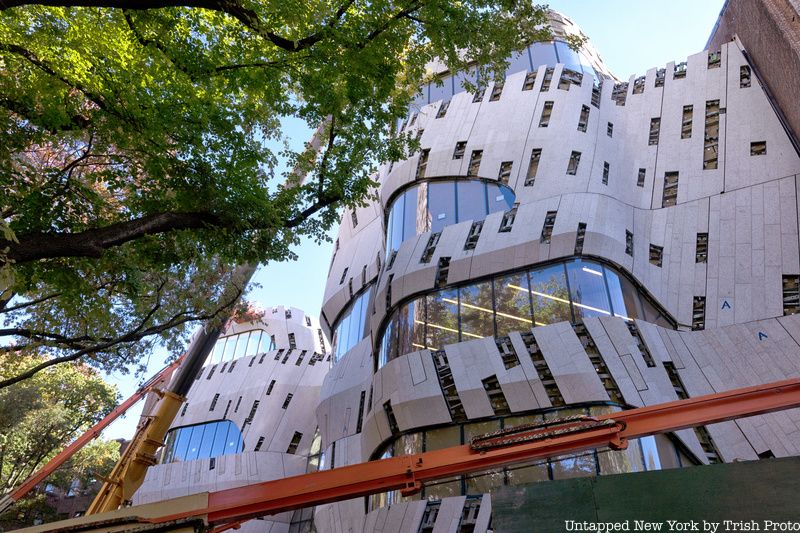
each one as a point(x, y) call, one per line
point(93, 242)
point(134, 335)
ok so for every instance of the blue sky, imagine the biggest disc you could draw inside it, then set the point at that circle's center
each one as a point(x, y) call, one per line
point(630, 35)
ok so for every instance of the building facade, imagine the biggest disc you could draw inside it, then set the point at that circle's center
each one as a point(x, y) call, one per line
point(564, 243)
point(249, 416)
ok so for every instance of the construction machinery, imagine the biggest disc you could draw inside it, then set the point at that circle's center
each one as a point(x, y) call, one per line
point(226, 509)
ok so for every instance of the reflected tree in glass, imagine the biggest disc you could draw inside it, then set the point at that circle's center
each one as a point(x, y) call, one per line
point(550, 295)
point(477, 317)
point(512, 304)
point(442, 322)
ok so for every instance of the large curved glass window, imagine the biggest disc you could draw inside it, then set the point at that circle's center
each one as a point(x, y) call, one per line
point(528, 59)
point(352, 326)
point(430, 206)
point(640, 455)
point(202, 441)
point(241, 345)
point(567, 291)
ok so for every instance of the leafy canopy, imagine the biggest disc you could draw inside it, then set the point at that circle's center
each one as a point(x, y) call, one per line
point(138, 159)
point(41, 415)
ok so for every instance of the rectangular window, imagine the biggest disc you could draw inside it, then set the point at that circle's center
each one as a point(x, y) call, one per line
point(252, 414)
point(744, 77)
point(714, 59)
point(569, 77)
point(270, 387)
point(579, 238)
point(354, 217)
point(620, 93)
point(670, 196)
point(442, 269)
point(701, 248)
point(443, 109)
point(548, 77)
point(496, 397)
point(547, 228)
point(758, 148)
point(497, 91)
point(387, 408)
point(686, 122)
point(546, 112)
point(360, 411)
point(610, 129)
point(699, 313)
point(637, 336)
point(507, 352)
point(478, 96)
point(596, 90)
point(711, 144)
point(422, 164)
point(660, 75)
point(791, 294)
point(655, 127)
point(296, 438)
point(214, 402)
point(507, 223)
point(505, 171)
point(606, 169)
point(474, 163)
point(638, 85)
point(530, 81)
point(629, 243)
point(640, 177)
point(474, 235)
point(680, 71)
point(574, 161)
point(287, 400)
point(413, 119)
point(461, 147)
point(430, 247)
point(656, 255)
point(583, 121)
point(533, 166)
point(292, 342)
point(259, 443)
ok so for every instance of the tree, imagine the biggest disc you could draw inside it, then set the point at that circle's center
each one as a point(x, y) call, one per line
point(80, 477)
point(39, 416)
point(138, 154)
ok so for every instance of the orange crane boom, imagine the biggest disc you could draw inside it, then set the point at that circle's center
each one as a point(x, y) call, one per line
point(53, 464)
point(227, 508)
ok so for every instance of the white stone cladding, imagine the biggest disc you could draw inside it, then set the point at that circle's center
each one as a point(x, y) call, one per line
point(248, 381)
point(748, 206)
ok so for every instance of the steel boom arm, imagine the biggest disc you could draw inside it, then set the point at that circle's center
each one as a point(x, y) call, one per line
point(227, 508)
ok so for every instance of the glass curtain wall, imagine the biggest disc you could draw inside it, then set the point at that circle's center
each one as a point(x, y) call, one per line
point(430, 206)
point(352, 326)
point(528, 59)
point(201, 441)
point(241, 345)
point(563, 292)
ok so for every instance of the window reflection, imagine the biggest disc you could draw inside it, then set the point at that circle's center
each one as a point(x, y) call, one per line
point(568, 291)
point(240, 345)
point(550, 295)
point(600, 462)
point(431, 206)
point(512, 304)
point(527, 59)
point(442, 320)
point(352, 326)
point(588, 289)
point(201, 441)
